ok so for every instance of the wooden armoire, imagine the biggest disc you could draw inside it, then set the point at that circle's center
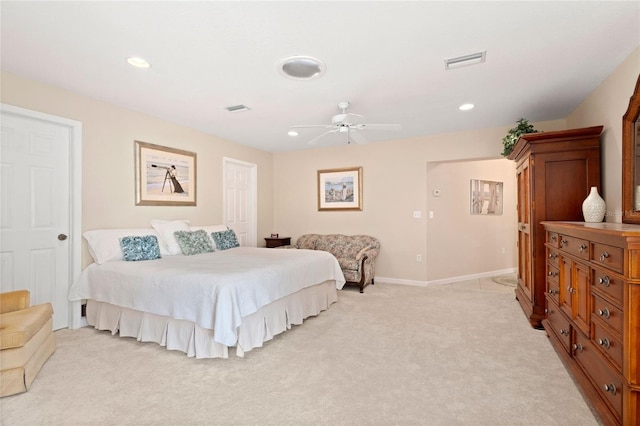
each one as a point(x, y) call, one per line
point(555, 172)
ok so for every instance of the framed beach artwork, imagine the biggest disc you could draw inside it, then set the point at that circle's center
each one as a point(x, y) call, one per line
point(164, 176)
point(340, 189)
point(486, 197)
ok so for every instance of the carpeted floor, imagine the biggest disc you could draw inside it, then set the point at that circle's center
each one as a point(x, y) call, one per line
point(452, 354)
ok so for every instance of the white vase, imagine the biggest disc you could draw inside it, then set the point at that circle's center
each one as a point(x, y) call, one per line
point(593, 207)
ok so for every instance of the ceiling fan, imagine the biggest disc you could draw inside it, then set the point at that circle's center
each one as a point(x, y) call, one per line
point(344, 123)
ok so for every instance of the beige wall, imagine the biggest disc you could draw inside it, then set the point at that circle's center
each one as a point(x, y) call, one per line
point(108, 198)
point(476, 243)
point(606, 106)
point(394, 186)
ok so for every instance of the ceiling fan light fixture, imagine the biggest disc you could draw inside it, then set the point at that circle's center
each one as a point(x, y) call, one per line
point(302, 67)
point(466, 60)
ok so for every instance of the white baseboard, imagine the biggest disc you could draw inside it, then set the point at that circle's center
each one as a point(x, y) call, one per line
point(445, 280)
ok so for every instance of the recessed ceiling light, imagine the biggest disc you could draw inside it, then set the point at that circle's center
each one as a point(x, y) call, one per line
point(138, 62)
point(302, 67)
point(466, 107)
point(292, 133)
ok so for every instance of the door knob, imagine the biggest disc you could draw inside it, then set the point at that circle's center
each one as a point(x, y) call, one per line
point(62, 237)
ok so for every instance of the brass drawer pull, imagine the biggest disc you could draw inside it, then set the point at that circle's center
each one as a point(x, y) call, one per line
point(552, 274)
point(577, 347)
point(564, 332)
point(605, 281)
point(604, 343)
point(604, 313)
point(563, 242)
point(554, 238)
point(603, 256)
point(610, 388)
point(582, 247)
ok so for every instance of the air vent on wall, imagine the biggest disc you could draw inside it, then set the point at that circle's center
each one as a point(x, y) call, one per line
point(463, 61)
point(237, 108)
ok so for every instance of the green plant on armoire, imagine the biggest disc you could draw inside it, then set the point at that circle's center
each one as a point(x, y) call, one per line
point(512, 136)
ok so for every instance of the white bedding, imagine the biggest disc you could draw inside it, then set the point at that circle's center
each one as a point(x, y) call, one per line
point(213, 290)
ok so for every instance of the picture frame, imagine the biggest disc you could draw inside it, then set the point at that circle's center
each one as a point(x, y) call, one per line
point(486, 197)
point(164, 176)
point(340, 189)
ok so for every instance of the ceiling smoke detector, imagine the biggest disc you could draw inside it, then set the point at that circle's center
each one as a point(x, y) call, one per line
point(302, 67)
point(463, 61)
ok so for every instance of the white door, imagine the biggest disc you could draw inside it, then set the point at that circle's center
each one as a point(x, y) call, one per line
point(36, 214)
point(239, 210)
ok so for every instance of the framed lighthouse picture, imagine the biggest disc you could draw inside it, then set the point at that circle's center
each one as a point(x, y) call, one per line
point(164, 176)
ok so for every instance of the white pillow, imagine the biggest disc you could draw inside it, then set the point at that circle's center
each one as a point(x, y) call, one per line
point(209, 229)
point(104, 244)
point(165, 229)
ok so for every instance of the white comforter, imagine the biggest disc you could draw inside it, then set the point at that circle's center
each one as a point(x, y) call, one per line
point(214, 290)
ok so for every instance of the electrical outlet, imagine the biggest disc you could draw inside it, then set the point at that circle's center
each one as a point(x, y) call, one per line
point(431, 214)
point(418, 258)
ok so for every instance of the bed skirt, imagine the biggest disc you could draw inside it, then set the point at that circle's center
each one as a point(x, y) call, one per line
point(195, 341)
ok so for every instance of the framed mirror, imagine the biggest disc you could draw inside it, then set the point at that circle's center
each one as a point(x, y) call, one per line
point(631, 159)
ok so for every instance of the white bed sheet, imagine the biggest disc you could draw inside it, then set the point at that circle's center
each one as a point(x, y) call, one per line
point(198, 342)
point(213, 290)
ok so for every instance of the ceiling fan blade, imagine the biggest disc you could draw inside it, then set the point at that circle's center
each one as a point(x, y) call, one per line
point(357, 137)
point(305, 126)
point(314, 140)
point(377, 126)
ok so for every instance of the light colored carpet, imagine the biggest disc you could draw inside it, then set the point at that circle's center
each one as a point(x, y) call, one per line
point(452, 354)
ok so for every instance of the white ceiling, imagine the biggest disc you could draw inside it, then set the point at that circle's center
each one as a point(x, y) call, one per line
point(385, 57)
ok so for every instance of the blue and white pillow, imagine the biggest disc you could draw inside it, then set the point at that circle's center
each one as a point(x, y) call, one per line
point(194, 242)
point(225, 239)
point(136, 248)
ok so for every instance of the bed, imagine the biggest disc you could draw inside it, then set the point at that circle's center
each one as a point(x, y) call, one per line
point(207, 303)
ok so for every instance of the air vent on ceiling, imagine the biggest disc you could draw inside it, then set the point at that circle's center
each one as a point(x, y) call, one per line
point(237, 108)
point(463, 61)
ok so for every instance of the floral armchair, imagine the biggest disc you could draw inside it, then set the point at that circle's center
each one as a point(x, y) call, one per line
point(356, 254)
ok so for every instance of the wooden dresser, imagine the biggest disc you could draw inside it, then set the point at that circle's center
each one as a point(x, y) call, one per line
point(555, 172)
point(593, 312)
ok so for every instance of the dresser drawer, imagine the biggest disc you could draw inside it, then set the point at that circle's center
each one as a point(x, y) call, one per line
point(608, 343)
point(607, 284)
point(553, 288)
point(609, 314)
point(552, 256)
point(608, 256)
point(560, 325)
point(576, 246)
point(607, 383)
point(553, 239)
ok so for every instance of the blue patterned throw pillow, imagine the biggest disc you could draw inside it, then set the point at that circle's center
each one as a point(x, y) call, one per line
point(140, 248)
point(193, 242)
point(225, 239)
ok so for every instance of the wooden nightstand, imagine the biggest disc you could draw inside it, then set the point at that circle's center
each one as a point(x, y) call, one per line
point(277, 242)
